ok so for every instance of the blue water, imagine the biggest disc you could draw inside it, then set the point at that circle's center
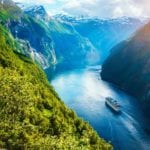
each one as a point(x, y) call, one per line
point(84, 92)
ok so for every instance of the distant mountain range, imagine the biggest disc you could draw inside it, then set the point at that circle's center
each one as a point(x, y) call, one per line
point(103, 33)
point(68, 41)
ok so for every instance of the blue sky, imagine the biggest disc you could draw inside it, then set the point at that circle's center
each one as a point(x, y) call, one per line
point(98, 8)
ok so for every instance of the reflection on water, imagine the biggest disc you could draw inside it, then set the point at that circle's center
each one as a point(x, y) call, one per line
point(85, 92)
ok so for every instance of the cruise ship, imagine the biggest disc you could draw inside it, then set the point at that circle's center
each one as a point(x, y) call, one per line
point(113, 104)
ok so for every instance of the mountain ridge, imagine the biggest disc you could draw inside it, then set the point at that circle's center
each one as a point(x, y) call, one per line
point(84, 48)
point(103, 33)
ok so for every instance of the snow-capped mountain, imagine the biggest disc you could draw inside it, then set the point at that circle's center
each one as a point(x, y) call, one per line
point(37, 11)
point(77, 19)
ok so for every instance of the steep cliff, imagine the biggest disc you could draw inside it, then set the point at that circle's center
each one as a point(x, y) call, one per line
point(128, 65)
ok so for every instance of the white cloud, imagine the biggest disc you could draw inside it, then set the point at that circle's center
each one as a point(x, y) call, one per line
point(117, 12)
point(100, 8)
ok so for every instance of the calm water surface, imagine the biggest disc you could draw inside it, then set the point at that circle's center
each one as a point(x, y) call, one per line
point(84, 92)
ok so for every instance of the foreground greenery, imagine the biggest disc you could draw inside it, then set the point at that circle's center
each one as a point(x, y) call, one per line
point(32, 116)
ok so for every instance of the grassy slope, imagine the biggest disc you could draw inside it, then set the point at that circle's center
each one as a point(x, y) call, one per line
point(31, 113)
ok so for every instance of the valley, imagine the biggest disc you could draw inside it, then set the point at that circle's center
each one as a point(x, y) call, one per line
point(56, 72)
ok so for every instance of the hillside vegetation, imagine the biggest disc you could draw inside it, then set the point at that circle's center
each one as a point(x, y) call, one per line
point(32, 116)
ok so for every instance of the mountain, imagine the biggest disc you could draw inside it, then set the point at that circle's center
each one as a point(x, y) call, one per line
point(32, 116)
point(72, 49)
point(37, 11)
point(31, 34)
point(89, 39)
point(46, 40)
point(128, 65)
point(78, 52)
point(103, 33)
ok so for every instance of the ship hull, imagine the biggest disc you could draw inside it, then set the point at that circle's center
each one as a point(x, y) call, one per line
point(117, 110)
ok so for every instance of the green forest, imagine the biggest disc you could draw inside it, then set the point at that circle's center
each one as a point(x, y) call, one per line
point(32, 116)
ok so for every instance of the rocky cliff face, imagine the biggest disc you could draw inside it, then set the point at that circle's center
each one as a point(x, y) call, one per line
point(128, 65)
point(29, 32)
point(33, 33)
